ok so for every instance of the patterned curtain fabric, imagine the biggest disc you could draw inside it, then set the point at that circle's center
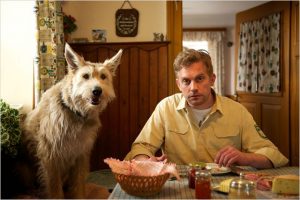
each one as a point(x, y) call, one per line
point(215, 41)
point(258, 62)
point(50, 64)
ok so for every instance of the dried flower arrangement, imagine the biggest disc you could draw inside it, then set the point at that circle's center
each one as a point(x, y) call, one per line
point(69, 24)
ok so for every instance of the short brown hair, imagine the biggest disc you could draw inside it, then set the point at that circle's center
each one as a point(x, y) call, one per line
point(189, 56)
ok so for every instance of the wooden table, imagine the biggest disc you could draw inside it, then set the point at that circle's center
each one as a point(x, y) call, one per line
point(174, 189)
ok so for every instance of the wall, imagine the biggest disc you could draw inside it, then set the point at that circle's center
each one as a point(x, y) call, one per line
point(18, 49)
point(101, 15)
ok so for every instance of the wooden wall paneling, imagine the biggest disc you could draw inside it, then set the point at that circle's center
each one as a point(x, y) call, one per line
point(143, 87)
point(134, 94)
point(153, 75)
point(112, 126)
point(123, 98)
point(163, 74)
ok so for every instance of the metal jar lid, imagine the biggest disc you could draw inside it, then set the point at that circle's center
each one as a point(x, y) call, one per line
point(242, 184)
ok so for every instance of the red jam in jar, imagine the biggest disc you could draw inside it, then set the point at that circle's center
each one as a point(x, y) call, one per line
point(193, 167)
point(202, 185)
point(191, 175)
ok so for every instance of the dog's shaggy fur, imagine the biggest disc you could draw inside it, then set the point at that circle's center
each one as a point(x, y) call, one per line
point(61, 130)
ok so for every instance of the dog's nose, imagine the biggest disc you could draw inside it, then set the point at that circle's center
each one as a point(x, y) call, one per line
point(97, 91)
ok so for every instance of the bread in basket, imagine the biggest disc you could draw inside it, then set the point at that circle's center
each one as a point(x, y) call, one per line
point(141, 178)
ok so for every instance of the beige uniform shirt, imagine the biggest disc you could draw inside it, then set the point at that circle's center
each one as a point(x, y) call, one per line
point(172, 128)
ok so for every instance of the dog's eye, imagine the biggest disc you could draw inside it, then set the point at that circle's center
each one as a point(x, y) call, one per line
point(103, 76)
point(86, 76)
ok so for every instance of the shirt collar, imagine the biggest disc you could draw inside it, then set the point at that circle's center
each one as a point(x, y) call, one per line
point(217, 106)
point(182, 103)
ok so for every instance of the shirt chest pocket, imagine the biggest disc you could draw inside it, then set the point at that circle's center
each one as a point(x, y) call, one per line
point(227, 136)
point(180, 129)
point(177, 139)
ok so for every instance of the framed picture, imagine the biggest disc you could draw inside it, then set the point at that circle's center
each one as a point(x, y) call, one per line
point(127, 21)
point(99, 35)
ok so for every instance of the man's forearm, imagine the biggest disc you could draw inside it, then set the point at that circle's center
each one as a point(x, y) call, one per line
point(258, 161)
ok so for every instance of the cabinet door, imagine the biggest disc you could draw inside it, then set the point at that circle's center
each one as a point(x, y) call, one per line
point(140, 83)
point(271, 111)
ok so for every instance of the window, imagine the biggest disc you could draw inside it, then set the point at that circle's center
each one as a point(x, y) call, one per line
point(213, 42)
point(196, 45)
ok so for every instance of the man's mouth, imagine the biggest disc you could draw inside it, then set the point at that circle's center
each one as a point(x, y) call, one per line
point(195, 96)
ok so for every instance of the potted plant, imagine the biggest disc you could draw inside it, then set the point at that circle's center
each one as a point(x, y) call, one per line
point(10, 129)
point(10, 146)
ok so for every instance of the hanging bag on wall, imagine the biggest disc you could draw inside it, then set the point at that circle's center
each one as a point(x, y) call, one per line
point(127, 21)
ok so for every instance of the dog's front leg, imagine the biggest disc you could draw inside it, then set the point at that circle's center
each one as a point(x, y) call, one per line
point(52, 179)
point(76, 180)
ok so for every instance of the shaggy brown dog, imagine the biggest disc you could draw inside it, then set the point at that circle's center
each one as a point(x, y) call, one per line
point(61, 130)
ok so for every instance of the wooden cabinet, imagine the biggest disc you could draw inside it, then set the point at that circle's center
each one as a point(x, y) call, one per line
point(140, 83)
point(278, 113)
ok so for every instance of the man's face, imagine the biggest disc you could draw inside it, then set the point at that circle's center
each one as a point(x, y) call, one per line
point(195, 85)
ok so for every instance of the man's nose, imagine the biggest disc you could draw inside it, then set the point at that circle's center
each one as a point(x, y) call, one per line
point(193, 85)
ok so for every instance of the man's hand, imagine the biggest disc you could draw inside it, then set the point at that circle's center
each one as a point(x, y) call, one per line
point(152, 158)
point(230, 155)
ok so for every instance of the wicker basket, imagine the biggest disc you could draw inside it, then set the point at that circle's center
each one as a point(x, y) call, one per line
point(141, 185)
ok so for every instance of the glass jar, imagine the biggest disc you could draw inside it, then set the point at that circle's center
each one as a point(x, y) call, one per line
point(241, 188)
point(203, 184)
point(193, 167)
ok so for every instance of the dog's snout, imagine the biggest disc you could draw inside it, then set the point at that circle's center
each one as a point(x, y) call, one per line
point(97, 91)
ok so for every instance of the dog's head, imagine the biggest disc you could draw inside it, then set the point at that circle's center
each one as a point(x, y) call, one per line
point(92, 83)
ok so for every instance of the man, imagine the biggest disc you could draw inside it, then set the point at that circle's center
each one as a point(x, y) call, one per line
point(199, 125)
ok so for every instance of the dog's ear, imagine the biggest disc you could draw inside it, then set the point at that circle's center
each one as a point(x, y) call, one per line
point(113, 63)
point(72, 58)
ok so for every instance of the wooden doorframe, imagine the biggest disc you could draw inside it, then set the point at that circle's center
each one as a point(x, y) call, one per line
point(174, 35)
point(294, 84)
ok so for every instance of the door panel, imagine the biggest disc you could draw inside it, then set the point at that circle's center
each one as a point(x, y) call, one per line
point(271, 111)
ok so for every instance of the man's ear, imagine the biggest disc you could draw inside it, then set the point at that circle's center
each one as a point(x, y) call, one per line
point(113, 63)
point(72, 58)
point(212, 79)
point(178, 84)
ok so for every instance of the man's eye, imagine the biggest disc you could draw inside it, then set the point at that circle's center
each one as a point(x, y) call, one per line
point(186, 82)
point(86, 76)
point(103, 76)
point(200, 78)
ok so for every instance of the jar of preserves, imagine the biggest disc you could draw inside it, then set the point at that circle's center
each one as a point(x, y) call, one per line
point(191, 174)
point(193, 167)
point(203, 184)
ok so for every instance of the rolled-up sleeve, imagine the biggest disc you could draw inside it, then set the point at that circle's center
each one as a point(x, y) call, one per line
point(255, 141)
point(274, 156)
point(150, 138)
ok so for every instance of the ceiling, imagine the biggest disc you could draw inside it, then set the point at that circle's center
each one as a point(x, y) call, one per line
point(214, 13)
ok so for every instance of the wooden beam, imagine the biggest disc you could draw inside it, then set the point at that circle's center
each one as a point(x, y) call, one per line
point(204, 29)
point(174, 35)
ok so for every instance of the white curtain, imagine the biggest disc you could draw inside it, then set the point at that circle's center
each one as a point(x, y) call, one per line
point(215, 41)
